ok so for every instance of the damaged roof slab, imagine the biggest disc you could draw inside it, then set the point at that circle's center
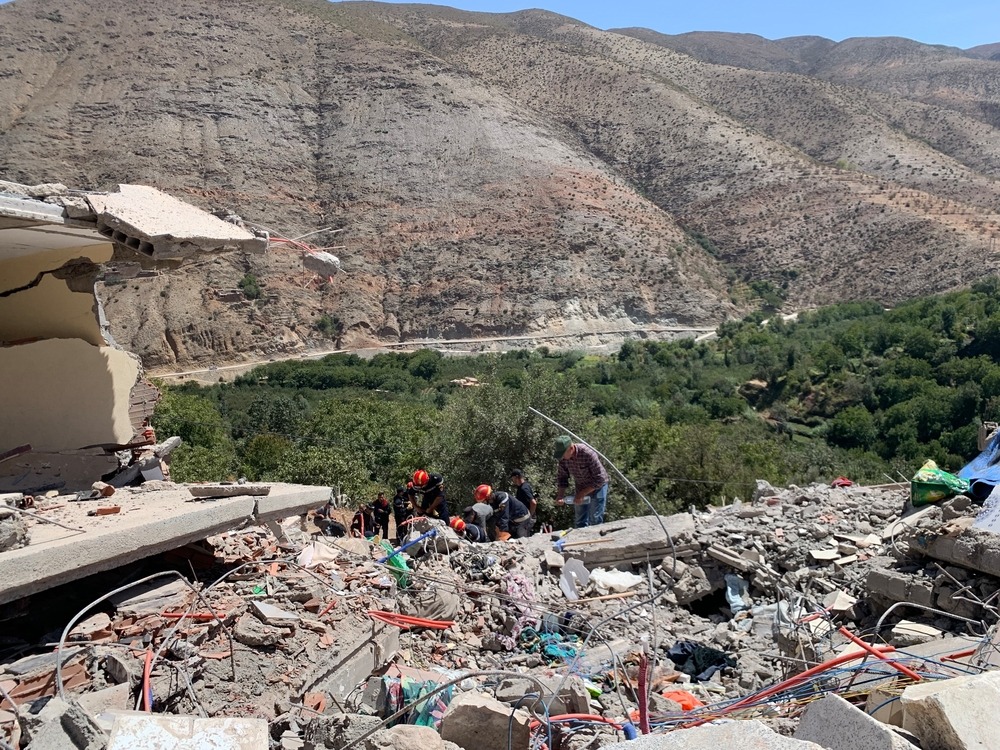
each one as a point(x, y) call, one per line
point(150, 522)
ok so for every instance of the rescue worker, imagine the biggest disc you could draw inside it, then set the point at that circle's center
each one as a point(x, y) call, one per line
point(328, 525)
point(433, 503)
point(525, 493)
point(512, 516)
point(480, 516)
point(381, 510)
point(590, 481)
point(402, 511)
point(469, 531)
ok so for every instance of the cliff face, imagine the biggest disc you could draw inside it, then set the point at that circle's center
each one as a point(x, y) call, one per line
point(491, 174)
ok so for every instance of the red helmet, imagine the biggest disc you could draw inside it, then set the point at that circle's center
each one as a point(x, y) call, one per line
point(420, 478)
point(457, 524)
point(482, 493)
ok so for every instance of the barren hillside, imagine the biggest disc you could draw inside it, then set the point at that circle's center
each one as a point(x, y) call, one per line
point(492, 174)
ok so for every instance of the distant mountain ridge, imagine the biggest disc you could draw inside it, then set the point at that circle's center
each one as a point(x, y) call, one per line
point(503, 174)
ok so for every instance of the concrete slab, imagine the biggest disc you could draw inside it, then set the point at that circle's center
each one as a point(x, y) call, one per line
point(953, 714)
point(360, 648)
point(975, 549)
point(150, 522)
point(137, 731)
point(745, 735)
point(162, 227)
point(628, 540)
point(835, 724)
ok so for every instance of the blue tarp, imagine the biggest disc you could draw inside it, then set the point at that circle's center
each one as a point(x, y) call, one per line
point(984, 470)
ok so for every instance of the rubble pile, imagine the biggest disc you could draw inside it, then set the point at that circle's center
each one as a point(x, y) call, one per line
point(810, 617)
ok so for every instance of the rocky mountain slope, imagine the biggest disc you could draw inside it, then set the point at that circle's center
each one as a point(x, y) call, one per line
point(500, 174)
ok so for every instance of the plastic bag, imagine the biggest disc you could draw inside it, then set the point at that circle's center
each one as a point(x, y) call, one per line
point(736, 593)
point(613, 580)
point(932, 485)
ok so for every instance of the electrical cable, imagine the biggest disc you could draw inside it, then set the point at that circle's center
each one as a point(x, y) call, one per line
point(441, 688)
point(120, 589)
point(513, 713)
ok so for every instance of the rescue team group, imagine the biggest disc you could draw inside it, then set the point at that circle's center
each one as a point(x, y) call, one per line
point(494, 515)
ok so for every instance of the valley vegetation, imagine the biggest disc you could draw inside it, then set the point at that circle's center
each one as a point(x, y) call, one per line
point(851, 389)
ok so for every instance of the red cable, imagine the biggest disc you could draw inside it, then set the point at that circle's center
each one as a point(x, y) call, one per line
point(147, 690)
point(578, 717)
point(791, 682)
point(643, 693)
point(902, 669)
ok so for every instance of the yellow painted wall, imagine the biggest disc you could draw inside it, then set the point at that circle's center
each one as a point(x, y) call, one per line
point(63, 394)
point(15, 272)
point(50, 310)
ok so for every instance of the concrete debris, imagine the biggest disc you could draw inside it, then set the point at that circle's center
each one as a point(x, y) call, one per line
point(572, 698)
point(835, 724)
point(53, 724)
point(155, 732)
point(956, 714)
point(719, 625)
point(323, 263)
point(745, 735)
point(406, 737)
point(250, 631)
point(906, 633)
point(13, 530)
point(475, 721)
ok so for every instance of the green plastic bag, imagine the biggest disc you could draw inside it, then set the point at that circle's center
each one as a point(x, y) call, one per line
point(932, 485)
point(397, 561)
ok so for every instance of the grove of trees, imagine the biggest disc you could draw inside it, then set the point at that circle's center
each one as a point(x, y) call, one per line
point(851, 389)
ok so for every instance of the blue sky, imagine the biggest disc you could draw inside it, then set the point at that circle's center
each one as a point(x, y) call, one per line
point(958, 23)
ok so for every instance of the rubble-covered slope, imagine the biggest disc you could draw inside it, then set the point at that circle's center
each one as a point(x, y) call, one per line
point(752, 612)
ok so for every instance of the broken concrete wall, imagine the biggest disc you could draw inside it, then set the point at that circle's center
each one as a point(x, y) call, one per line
point(64, 387)
point(62, 394)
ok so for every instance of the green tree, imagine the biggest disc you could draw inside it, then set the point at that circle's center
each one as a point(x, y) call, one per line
point(250, 286)
point(485, 432)
point(853, 427)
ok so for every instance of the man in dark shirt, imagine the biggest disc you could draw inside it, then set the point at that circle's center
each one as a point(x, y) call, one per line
point(363, 523)
point(431, 486)
point(526, 494)
point(401, 510)
point(382, 510)
point(479, 515)
point(590, 480)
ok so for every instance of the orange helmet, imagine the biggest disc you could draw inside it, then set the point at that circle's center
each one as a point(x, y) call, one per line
point(420, 478)
point(457, 524)
point(482, 493)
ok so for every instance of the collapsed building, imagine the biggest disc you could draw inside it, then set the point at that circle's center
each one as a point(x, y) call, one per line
point(71, 395)
point(808, 618)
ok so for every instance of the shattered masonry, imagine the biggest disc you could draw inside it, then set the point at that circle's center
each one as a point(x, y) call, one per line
point(748, 615)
